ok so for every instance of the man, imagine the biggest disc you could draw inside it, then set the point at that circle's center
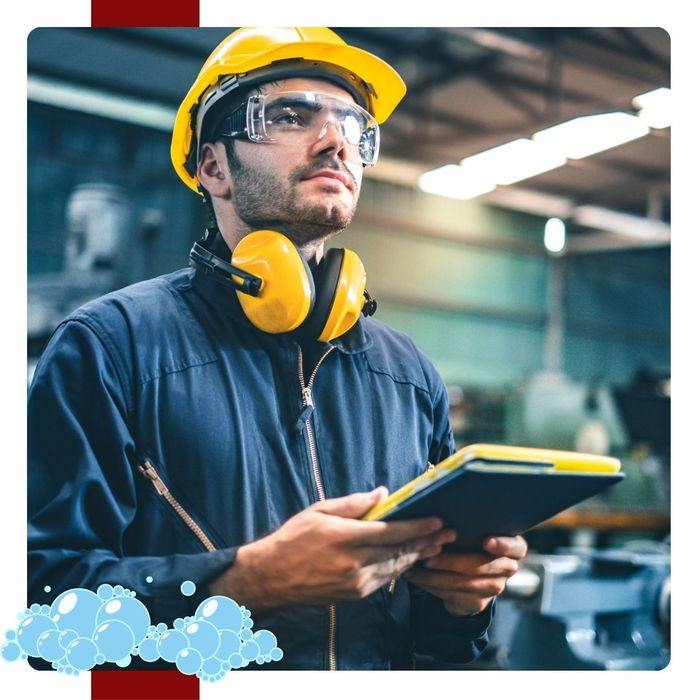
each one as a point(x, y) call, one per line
point(202, 427)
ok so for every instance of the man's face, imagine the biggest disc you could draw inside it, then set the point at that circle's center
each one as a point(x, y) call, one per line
point(307, 191)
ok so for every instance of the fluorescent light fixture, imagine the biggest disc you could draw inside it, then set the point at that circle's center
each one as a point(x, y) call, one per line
point(555, 235)
point(82, 99)
point(654, 108)
point(622, 224)
point(513, 161)
point(584, 136)
point(454, 181)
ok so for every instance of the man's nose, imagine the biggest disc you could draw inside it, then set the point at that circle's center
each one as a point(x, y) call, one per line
point(330, 139)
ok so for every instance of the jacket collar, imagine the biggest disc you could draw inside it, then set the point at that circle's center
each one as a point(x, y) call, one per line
point(221, 294)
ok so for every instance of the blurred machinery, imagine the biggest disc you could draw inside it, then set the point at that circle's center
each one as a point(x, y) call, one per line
point(585, 609)
point(96, 259)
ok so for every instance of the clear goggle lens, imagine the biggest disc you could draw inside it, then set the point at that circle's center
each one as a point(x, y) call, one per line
point(293, 118)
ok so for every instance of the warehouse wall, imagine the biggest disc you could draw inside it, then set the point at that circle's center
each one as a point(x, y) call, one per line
point(468, 282)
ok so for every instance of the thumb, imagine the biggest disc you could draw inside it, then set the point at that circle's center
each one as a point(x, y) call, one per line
point(355, 505)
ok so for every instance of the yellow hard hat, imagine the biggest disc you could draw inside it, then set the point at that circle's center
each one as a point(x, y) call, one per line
point(281, 52)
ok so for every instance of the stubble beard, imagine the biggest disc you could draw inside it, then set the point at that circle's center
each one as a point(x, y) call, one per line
point(265, 202)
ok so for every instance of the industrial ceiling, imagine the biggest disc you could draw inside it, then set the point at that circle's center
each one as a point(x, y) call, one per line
point(469, 89)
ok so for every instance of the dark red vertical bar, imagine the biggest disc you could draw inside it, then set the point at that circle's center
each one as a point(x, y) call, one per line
point(144, 685)
point(145, 13)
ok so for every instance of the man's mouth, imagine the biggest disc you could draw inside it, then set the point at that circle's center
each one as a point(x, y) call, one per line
point(331, 175)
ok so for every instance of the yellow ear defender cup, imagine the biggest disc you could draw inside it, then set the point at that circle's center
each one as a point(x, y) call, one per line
point(250, 49)
point(287, 291)
point(340, 286)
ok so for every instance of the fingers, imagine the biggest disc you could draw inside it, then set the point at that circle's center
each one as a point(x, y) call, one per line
point(353, 506)
point(513, 547)
point(445, 584)
point(404, 554)
point(472, 564)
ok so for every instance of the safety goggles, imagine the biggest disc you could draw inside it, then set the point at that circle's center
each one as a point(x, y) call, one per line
point(299, 118)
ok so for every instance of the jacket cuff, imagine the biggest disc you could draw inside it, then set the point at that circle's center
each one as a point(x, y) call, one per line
point(452, 638)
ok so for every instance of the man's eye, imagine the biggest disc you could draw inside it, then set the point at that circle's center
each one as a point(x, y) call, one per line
point(287, 118)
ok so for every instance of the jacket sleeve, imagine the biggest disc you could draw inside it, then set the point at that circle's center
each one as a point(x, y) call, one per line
point(436, 633)
point(81, 490)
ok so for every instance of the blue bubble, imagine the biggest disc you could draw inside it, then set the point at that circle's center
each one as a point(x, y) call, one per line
point(188, 588)
point(81, 654)
point(178, 623)
point(248, 623)
point(47, 589)
point(246, 635)
point(10, 651)
point(222, 612)
point(236, 660)
point(225, 666)
point(131, 612)
point(229, 643)
point(249, 650)
point(76, 610)
point(46, 610)
point(49, 646)
point(188, 661)
point(29, 631)
point(10, 634)
point(35, 608)
point(114, 640)
point(171, 644)
point(100, 659)
point(149, 579)
point(123, 663)
point(203, 637)
point(265, 640)
point(67, 637)
point(161, 627)
point(105, 591)
point(148, 650)
point(119, 590)
point(211, 666)
point(276, 654)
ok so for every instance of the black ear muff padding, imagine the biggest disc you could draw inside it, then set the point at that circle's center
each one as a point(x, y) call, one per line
point(326, 275)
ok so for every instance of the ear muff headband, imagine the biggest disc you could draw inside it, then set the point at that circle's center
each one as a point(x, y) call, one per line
point(287, 290)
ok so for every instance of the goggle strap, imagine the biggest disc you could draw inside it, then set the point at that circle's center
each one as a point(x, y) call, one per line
point(235, 123)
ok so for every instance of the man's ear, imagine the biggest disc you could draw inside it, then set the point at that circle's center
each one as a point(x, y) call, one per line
point(213, 172)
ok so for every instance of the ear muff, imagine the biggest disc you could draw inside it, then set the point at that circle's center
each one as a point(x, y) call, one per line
point(281, 293)
point(287, 292)
point(340, 289)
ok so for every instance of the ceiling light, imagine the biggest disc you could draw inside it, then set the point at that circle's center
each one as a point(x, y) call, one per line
point(555, 235)
point(513, 161)
point(454, 181)
point(654, 108)
point(584, 136)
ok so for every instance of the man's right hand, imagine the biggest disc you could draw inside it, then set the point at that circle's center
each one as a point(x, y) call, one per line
point(324, 554)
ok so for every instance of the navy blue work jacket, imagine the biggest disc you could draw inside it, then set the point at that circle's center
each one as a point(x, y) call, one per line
point(171, 372)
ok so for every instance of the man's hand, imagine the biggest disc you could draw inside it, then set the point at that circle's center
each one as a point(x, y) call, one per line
point(468, 582)
point(325, 554)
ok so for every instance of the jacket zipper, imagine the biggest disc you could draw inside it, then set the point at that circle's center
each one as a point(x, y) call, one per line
point(148, 471)
point(308, 403)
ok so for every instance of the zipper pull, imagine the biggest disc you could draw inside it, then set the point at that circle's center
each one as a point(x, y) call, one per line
point(308, 409)
point(150, 473)
point(306, 397)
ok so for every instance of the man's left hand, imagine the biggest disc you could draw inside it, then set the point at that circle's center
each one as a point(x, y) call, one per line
point(467, 582)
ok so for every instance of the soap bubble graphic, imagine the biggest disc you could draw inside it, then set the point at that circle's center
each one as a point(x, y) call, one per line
point(76, 610)
point(114, 640)
point(82, 629)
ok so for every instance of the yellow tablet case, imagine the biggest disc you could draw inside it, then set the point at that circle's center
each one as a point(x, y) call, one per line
point(483, 490)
